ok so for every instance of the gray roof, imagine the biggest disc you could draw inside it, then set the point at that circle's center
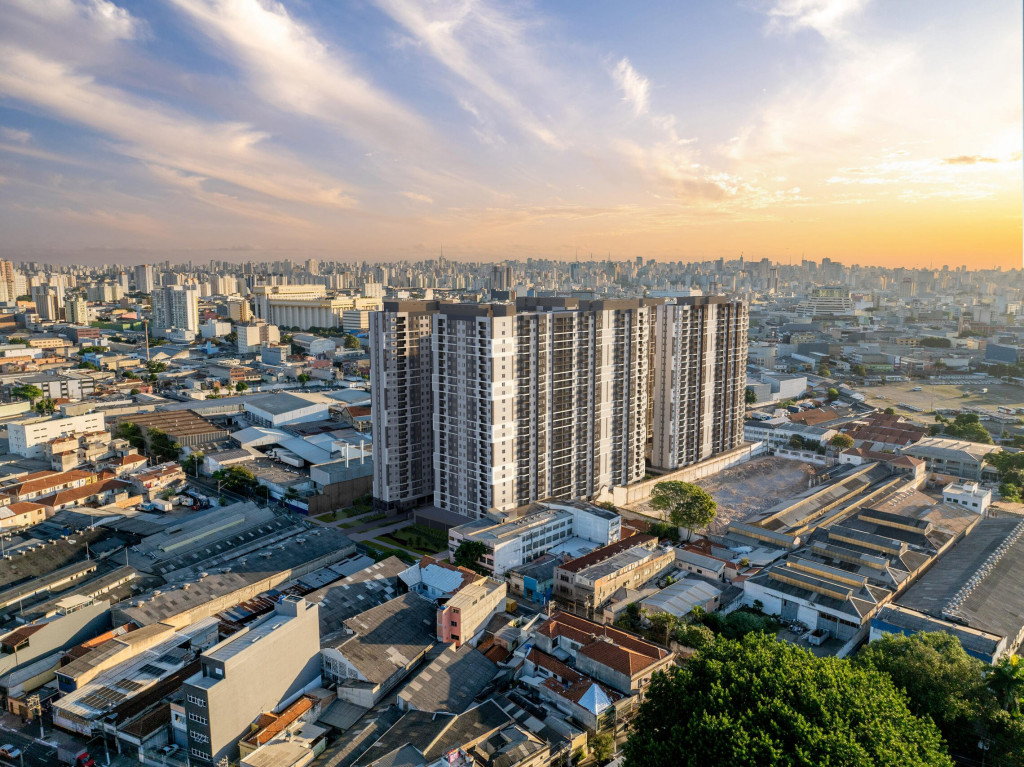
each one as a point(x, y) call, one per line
point(369, 587)
point(451, 681)
point(281, 403)
point(994, 552)
point(974, 641)
point(388, 637)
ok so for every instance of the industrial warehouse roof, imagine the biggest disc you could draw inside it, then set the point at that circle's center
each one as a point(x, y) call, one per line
point(389, 636)
point(979, 582)
point(451, 681)
point(178, 423)
point(950, 449)
point(281, 403)
point(356, 593)
point(681, 597)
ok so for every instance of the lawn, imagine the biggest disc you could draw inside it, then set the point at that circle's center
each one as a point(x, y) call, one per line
point(425, 540)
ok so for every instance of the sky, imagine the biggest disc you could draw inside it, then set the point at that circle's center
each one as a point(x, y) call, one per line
point(883, 132)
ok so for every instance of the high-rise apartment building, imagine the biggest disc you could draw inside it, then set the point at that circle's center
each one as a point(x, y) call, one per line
point(144, 278)
point(545, 398)
point(77, 310)
point(402, 403)
point(548, 398)
point(45, 298)
point(176, 306)
point(699, 381)
point(8, 288)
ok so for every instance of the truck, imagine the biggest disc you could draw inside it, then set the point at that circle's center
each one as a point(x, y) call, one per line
point(161, 505)
point(74, 754)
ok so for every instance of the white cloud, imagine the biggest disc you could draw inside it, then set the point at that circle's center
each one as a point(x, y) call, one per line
point(486, 48)
point(229, 152)
point(635, 87)
point(292, 69)
point(102, 18)
point(13, 134)
point(417, 197)
point(826, 17)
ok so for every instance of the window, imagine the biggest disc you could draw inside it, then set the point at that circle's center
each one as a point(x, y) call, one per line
point(198, 737)
point(195, 700)
point(194, 717)
point(199, 753)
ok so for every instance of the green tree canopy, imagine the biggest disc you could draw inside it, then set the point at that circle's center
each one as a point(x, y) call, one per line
point(935, 342)
point(469, 553)
point(760, 702)
point(841, 441)
point(27, 391)
point(832, 394)
point(686, 504)
point(351, 342)
point(750, 397)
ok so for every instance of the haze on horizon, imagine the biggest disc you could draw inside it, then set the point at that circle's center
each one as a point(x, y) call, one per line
point(866, 132)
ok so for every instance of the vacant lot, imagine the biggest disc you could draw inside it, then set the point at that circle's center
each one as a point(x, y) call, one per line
point(744, 491)
point(943, 396)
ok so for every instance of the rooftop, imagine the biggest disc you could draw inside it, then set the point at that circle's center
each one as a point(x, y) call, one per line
point(606, 552)
point(451, 681)
point(389, 636)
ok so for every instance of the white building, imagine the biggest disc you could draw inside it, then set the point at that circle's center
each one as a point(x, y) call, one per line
point(76, 311)
point(545, 398)
point(215, 328)
point(27, 438)
point(314, 345)
point(514, 540)
point(176, 306)
point(970, 495)
point(252, 336)
point(700, 358)
point(306, 306)
point(144, 278)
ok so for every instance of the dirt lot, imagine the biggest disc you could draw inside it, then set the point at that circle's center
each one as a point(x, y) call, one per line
point(748, 489)
point(943, 396)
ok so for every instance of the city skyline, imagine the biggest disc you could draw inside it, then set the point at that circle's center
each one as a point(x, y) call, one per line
point(850, 130)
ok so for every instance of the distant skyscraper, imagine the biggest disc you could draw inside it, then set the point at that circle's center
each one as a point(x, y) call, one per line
point(402, 403)
point(144, 278)
point(45, 298)
point(501, 277)
point(8, 289)
point(176, 306)
point(76, 311)
point(700, 358)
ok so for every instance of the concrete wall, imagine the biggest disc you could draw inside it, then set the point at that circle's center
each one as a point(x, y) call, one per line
point(60, 634)
point(641, 491)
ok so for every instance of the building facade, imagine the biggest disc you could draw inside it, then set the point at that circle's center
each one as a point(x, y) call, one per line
point(260, 668)
point(402, 404)
point(699, 372)
point(176, 306)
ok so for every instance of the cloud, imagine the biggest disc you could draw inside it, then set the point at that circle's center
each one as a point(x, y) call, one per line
point(416, 197)
point(229, 152)
point(966, 159)
point(637, 89)
point(826, 17)
point(103, 19)
point(13, 134)
point(292, 69)
point(486, 49)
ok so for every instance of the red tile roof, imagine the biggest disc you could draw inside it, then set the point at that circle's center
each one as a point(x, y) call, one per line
point(52, 480)
point(587, 632)
point(81, 493)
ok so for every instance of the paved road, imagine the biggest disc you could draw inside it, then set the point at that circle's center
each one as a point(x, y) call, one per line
point(36, 754)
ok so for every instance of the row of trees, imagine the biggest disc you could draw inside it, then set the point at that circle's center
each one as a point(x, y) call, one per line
point(903, 701)
point(963, 426)
point(1011, 474)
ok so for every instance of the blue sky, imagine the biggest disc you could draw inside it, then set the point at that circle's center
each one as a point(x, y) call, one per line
point(867, 131)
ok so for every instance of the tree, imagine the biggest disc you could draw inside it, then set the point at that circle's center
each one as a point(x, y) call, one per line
point(859, 370)
point(796, 442)
point(841, 442)
point(686, 504)
point(1006, 680)
point(935, 342)
point(663, 626)
point(469, 553)
point(162, 447)
point(131, 432)
point(760, 701)
point(602, 746)
point(46, 405)
point(832, 394)
point(241, 386)
point(351, 342)
point(750, 396)
point(193, 462)
point(889, 411)
point(825, 372)
point(695, 636)
point(27, 391)
point(303, 378)
point(957, 691)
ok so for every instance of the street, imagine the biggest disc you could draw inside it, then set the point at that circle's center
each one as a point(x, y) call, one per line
point(35, 754)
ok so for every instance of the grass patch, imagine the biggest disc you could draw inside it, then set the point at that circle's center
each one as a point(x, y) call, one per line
point(380, 552)
point(419, 538)
point(328, 517)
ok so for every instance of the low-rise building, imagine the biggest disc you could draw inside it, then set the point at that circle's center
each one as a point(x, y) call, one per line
point(521, 536)
point(583, 585)
point(28, 437)
point(955, 457)
point(969, 495)
point(466, 600)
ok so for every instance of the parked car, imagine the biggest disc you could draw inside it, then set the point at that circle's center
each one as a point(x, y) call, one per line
point(10, 751)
